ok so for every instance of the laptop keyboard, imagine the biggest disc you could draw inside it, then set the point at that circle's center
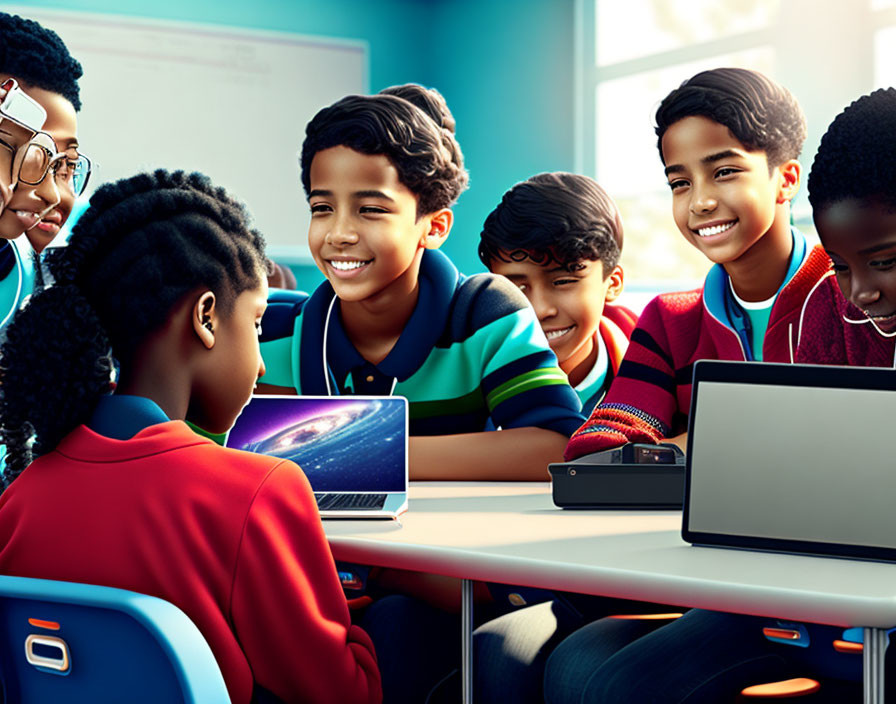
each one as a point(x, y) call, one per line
point(350, 502)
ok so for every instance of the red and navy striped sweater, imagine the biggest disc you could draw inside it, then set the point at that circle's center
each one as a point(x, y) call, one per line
point(651, 395)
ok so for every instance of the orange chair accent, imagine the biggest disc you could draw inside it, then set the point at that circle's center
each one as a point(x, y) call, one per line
point(785, 689)
point(784, 633)
point(646, 617)
point(847, 646)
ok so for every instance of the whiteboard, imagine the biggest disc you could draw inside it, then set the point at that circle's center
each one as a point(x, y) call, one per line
point(228, 102)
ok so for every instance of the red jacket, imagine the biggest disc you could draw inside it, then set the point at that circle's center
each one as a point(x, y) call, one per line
point(834, 331)
point(614, 329)
point(232, 538)
point(650, 397)
point(616, 326)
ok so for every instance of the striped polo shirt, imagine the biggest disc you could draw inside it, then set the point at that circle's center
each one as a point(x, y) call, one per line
point(471, 351)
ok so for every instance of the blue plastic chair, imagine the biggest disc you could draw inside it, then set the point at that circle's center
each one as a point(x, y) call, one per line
point(67, 642)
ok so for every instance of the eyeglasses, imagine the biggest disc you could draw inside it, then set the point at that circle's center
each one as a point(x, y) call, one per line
point(72, 169)
point(39, 157)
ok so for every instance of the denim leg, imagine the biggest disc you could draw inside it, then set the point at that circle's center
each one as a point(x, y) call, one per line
point(417, 647)
point(511, 652)
point(703, 657)
point(573, 662)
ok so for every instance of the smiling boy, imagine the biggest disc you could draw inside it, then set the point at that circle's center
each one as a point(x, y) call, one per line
point(729, 140)
point(395, 317)
point(558, 237)
point(849, 318)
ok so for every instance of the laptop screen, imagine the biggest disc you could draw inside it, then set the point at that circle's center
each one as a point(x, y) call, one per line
point(342, 443)
point(784, 456)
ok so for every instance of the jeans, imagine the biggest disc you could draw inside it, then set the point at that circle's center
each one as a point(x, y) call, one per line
point(702, 657)
point(511, 650)
point(417, 649)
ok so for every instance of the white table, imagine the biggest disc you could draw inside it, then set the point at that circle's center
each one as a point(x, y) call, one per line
point(513, 533)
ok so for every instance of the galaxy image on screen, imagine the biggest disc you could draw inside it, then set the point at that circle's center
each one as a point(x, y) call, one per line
point(342, 444)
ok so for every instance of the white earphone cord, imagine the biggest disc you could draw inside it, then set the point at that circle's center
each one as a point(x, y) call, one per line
point(326, 369)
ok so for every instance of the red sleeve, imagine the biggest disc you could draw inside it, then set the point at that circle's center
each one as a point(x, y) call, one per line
point(625, 318)
point(287, 606)
point(642, 403)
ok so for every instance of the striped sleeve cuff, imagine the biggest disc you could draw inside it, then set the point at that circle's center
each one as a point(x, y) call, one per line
point(612, 425)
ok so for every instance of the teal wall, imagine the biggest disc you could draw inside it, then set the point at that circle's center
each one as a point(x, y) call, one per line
point(506, 71)
point(504, 66)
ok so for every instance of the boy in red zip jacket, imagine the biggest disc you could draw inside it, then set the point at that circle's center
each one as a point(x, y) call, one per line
point(729, 140)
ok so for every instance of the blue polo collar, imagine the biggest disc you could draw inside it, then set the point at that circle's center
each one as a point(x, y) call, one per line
point(438, 282)
point(716, 289)
point(121, 416)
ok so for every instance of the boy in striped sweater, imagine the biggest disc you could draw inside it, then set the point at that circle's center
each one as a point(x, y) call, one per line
point(729, 140)
point(848, 318)
point(396, 317)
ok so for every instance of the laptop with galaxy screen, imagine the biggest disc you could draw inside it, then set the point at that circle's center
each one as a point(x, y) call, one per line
point(792, 458)
point(353, 449)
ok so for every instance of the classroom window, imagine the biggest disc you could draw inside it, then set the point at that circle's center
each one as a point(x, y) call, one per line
point(628, 166)
point(663, 26)
point(826, 54)
point(885, 56)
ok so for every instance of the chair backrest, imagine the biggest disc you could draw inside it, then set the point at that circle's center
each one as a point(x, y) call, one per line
point(67, 642)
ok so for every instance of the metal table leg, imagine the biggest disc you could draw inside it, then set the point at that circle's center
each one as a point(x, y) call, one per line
point(467, 642)
point(875, 647)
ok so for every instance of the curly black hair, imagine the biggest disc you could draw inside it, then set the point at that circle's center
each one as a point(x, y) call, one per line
point(429, 100)
point(554, 217)
point(143, 244)
point(427, 157)
point(857, 155)
point(761, 114)
point(37, 56)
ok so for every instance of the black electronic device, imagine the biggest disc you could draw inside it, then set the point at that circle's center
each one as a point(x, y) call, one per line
point(633, 476)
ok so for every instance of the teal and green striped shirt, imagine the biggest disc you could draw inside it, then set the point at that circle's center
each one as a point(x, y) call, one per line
point(472, 351)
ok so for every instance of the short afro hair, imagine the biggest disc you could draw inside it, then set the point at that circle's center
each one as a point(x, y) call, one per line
point(427, 157)
point(554, 217)
point(857, 155)
point(37, 56)
point(761, 114)
point(429, 100)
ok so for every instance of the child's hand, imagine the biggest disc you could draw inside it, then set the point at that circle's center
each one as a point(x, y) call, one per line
point(681, 441)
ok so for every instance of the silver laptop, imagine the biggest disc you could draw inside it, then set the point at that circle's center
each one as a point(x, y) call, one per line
point(353, 449)
point(792, 458)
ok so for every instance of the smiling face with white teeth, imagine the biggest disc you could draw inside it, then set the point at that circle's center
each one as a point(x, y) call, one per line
point(568, 304)
point(365, 235)
point(726, 200)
